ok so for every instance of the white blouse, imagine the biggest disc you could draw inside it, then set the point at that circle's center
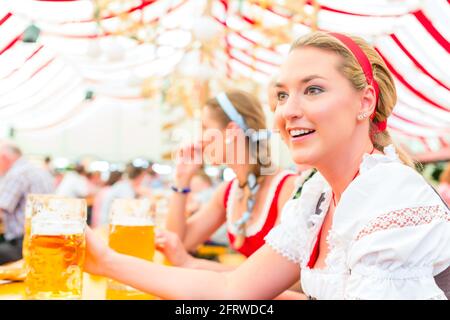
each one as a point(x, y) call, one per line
point(389, 237)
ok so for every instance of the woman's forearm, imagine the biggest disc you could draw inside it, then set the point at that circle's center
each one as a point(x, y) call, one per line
point(203, 264)
point(176, 219)
point(291, 295)
point(264, 275)
point(167, 282)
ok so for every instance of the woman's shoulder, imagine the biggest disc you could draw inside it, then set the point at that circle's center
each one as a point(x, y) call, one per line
point(386, 193)
point(383, 173)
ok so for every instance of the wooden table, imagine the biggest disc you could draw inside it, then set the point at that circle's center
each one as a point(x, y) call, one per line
point(94, 288)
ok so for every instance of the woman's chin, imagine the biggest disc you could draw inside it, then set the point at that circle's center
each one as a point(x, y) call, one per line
point(303, 158)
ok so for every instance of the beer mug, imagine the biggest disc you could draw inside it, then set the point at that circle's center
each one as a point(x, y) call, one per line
point(56, 249)
point(34, 203)
point(131, 232)
point(131, 228)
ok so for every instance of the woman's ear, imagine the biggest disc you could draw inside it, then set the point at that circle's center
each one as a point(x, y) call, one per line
point(232, 126)
point(231, 130)
point(368, 101)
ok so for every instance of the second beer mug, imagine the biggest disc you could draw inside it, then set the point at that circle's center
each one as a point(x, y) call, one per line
point(131, 232)
point(56, 250)
point(131, 228)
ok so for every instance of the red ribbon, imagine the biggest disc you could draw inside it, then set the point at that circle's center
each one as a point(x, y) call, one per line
point(381, 125)
point(366, 67)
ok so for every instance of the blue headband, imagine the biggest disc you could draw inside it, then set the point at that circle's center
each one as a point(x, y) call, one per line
point(231, 111)
point(235, 116)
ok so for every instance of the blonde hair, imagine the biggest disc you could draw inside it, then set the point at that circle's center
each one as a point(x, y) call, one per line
point(352, 70)
point(251, 110)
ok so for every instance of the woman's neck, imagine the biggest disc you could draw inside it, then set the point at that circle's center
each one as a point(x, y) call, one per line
point(344, 167)
point(241, 171)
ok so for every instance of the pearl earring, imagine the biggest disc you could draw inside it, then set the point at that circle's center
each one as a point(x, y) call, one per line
point(362, 116)
point(227, 141)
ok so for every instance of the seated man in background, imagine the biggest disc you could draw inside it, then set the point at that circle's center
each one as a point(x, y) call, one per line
point(19, 178)
point(75, 184)
point(130, 187)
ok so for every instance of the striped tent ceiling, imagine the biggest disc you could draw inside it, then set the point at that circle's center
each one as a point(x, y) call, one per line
point(113, 52)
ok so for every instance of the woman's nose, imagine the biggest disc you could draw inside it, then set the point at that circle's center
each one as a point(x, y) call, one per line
point(292, 108)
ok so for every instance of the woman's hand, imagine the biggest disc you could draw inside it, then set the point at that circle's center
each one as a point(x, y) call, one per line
point(189, 160)
point(98, 254)
point(171, 246)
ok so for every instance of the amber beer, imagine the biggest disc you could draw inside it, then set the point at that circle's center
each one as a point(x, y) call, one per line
point(135, 240)
point(56, 250)
point(131, 232)
point(34, 203)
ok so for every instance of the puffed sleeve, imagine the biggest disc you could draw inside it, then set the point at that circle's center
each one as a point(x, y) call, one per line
point(397, 254)
point(286, 238)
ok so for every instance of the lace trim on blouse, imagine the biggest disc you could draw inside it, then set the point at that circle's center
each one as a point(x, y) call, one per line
point(405, 218)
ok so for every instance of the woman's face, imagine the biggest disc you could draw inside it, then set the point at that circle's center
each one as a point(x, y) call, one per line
point(317, 106)
point(213, 138)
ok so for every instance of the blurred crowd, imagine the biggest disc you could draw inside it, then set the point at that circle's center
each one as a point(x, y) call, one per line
point(20, 177)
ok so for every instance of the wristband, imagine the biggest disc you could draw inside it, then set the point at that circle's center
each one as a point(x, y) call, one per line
point(180, 190)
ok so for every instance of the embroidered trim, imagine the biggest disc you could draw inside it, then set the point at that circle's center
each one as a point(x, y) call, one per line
point(289, 237)
point(405, 218)
point(281, 243)
point(300, 181)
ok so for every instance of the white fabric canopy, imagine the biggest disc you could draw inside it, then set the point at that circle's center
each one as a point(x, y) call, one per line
point(43, 84)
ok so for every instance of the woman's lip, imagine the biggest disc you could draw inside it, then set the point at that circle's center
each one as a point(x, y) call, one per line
point(301, 138)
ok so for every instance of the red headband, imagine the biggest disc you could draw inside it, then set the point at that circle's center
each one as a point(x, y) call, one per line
point(366, 67)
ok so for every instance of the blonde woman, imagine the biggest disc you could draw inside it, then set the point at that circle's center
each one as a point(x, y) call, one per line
point(366, 226)
point(235, 135)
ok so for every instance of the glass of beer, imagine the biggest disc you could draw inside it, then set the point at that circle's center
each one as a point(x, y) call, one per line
point(34, 203)
point(56, 250)
point(131, 232)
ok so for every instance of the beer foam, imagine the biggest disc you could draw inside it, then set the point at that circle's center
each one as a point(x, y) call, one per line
point(52, 228)
point(46, 223)
point(132, 221)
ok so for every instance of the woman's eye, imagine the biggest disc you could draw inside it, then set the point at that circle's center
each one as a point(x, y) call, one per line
point(313, 90)
point(282, 96)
